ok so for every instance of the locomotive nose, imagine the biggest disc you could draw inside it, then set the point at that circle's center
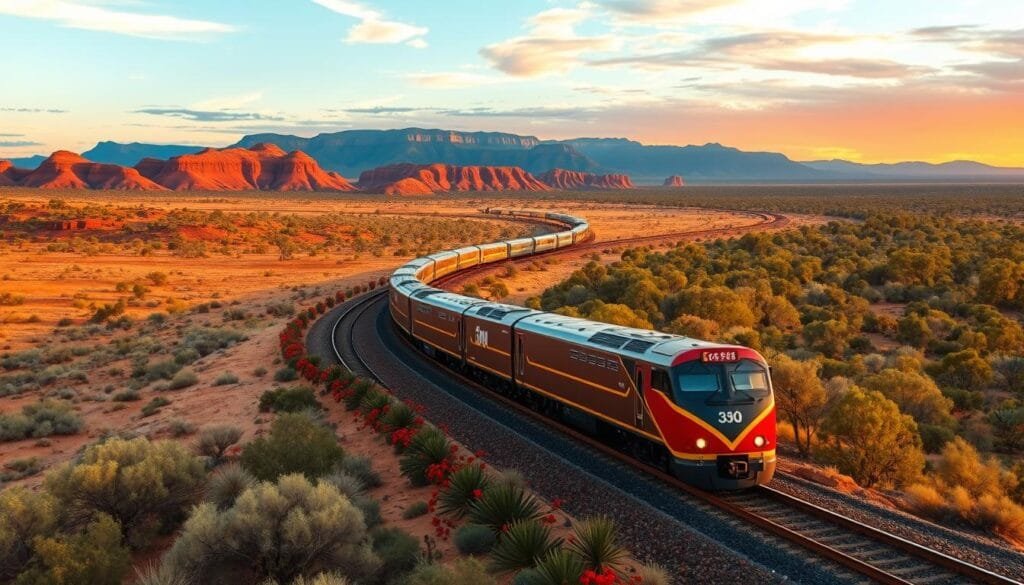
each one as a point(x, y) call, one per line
point(738, 469)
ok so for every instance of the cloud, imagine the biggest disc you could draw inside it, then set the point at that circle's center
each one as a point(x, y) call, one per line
point(34, 110)
point(659, 11)
point(82, 15)
point(452, 79)
point(208, 115)
point(9, 135)
point(16, 143)
point(373, 27)
point(230, 102)
point(533, 113)
point(550, 46)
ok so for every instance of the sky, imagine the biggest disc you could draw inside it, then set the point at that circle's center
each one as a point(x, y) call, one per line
point(863, 80)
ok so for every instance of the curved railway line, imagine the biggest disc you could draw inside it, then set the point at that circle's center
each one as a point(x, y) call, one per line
point(855, 551)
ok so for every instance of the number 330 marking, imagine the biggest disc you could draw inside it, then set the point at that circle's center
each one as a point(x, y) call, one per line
point(730, 416)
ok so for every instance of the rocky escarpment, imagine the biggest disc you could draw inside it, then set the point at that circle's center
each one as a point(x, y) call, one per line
point(674, 181)
point(411, 179)
point(579, 181)
point(67, 170)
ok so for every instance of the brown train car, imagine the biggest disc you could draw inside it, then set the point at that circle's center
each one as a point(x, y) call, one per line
point(402, 287)
point(556, 356)
point(437, 319)
point(488, 330)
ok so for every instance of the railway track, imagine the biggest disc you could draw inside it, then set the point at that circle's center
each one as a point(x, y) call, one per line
point(860, 551)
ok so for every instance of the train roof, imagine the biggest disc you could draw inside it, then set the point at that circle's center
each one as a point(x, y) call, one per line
point(652, 346)
point(500, 312)
point(444, 299)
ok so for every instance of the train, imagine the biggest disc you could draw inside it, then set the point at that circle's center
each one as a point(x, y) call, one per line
point(703, 411)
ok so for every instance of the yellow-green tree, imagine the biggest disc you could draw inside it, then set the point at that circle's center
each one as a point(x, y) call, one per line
point(24, 516)
point(916, 395)
point(95, 556)
point(800, 397)
point(867, 437)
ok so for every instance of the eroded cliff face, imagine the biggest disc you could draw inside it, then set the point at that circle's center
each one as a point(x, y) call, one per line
point(580, 181)
point(410, 179)
point(674, 181)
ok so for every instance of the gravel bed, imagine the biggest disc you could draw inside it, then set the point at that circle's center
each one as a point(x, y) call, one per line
point(694, 541)
point(968, 545)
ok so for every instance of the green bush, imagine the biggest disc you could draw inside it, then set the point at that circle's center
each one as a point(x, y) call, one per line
point(358, 390)
point(42, 419)
point(126, 396)
point(415, 510)
point(522, 546)
point(134, 481)
point(286, 375)
point(162, 370)
point(296, 444)
point(214, 441)
point(399, 416)
point(398, 551)
point(427, 447)
point(277, 530)
point(502, 505)
point(229, 482)
point(154, 406)
point(464, 487)
point(207, 340)
point(474, 539)
point(370, 509)
point(294, 399)
point(225, 379)
point(346, 483)
point(183, 379)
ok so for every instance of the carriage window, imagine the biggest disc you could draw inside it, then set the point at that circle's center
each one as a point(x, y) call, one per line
point(659, 380)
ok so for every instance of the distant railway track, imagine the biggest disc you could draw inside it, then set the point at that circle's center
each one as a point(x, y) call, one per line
point(853, 546)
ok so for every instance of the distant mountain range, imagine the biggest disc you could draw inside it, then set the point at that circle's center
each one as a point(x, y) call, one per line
point(352, 152)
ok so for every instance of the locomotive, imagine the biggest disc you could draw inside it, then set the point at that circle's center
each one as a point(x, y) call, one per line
point(704, 411)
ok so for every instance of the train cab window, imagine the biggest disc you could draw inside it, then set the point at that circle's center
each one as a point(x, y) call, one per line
point(660, 381)
point(698, 377)
point(749, 376)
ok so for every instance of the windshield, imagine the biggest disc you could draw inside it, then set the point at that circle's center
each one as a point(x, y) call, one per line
point(745, 379)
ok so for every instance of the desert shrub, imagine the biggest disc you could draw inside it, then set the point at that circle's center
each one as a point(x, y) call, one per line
point(474, 539)
point(346, 483)
point(428, 447)
point(294, 399)
point(179, 427)
point(24, 516)
point(415, 510)
point(523, 544)
point(652, 574)
point(281, 309)
point(460, 572)
point(259, 372)
point(229, 482)
point(320, 579)
point(214, 441)
point(207, 340)
point(560, 566)
point(161, 370)
point(183, 379)
point(277, 530)
point(465, 486)
point(370, 509)
point(134, 481)
point(154, 406)
point(42, 419)
point(295, 444)
point(96, 556)
point(160, 574)
point(286, 375)
point(502, 505)
point(595, 542)
point(157, 278)
point(126, 396)
point(225, 378)
point(398, 552)
point(527, 576)
point(375, 400)
point(362, 468)
point(20, 468)
point(185, 356)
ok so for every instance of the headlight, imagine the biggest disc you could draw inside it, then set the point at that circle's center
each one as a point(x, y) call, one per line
point(759, 441)
point(701, 443)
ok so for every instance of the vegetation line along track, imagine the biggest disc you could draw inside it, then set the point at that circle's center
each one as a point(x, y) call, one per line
point(876, 554)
